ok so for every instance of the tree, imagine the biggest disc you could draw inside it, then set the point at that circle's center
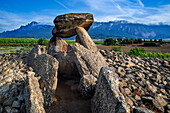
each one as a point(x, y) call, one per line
point(155, 40)
point(109, 41)
point(43, 41)
point(151, 40)
point(119, 39)
point(139, 40)
point(160, 41)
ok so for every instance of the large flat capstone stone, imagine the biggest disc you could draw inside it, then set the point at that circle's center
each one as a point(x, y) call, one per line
point(65, 25)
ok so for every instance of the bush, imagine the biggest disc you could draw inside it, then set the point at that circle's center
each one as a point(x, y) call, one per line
point(109, 41)
point(43, 41)
point(127, 41)
point(116, 48)
point(142, 53)
point(150, 44)
point(137, 51)
point(119, 39)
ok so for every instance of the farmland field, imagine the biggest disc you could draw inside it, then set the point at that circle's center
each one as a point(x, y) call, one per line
point(7, 45)
point(165, 48)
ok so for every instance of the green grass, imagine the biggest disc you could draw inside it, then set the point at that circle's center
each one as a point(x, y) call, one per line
point(6, 47)
point(116, 49)
point(70, 41)
point(166, 41)
point(29, 40)
point(10, 49)
point(17, 40)
point(142, 53)
point(99, 42)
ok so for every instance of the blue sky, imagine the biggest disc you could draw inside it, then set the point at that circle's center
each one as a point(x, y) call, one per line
point(14, 13)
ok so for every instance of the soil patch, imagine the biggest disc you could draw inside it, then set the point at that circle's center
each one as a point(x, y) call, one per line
point(68, 98)
point(163, 49)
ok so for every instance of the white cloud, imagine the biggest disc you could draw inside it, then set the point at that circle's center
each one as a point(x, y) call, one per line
point(131, 10)
point(10, 21)
point(140, 2)
point(62, 5)
point(103, 10)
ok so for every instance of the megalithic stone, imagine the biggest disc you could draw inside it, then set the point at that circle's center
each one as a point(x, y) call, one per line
point(85, 40)
point(66, 24)
point(56, 45)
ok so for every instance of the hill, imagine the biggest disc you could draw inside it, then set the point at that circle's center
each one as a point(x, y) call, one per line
point(99, 30)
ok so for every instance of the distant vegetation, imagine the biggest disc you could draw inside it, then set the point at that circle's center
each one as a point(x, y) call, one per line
point(11, 49)
point(142, 53)
point(41, 41)
point(120, 41)
point(116, 49)
point(17, 40)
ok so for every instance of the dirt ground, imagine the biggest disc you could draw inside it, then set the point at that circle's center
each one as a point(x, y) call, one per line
point(165, 48)
point(68, 98)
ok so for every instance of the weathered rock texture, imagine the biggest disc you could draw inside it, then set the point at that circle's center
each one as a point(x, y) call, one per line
point(85, 40)
point(19, 88)
point(108, 98)
point(46, 67)
point(65, 25)
point(144, 82)
point(63, 52)
point(33, 95)
point(89, 64)
point(58, 45)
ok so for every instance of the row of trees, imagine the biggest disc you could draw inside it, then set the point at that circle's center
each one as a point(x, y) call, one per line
point(121, 41)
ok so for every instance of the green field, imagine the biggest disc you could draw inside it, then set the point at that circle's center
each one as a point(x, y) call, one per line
point(17, 40)
point(29, 40)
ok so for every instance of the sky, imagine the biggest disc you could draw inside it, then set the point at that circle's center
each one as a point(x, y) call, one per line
point(14, 13)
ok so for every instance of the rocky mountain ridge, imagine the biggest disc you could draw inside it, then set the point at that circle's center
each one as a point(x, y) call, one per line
point(99, 30)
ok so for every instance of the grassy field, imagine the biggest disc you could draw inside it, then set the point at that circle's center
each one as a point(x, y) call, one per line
point(29, 40)
point(9, 45)
point(17, 40)
point(12, 49)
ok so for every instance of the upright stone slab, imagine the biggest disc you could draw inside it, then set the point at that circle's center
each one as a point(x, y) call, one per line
point(33, 95)
point(46, 67)
point(89, 64)
point(56, 45)
point(108, 98)
point(85, 40)
point(63, 52)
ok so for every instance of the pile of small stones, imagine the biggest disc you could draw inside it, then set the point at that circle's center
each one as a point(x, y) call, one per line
point(12, 71)
point(144, 82)
point(13, 75)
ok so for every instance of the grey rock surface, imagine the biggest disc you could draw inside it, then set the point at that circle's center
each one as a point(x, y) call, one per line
point(66, 24)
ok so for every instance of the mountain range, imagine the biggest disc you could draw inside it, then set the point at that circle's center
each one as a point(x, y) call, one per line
point(99, 30)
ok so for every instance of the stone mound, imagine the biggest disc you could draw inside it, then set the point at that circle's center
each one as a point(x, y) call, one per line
point(132, 84)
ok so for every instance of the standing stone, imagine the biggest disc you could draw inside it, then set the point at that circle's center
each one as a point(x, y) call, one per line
point(108, 98)
point(89, 64)
point(65, 25)
point(58, 45)
point(63, 52)
point(38, 50)
point(46, 67)
point(85, 39)
point(33, 96)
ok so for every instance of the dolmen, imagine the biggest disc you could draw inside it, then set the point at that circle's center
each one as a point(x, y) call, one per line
point(83, 57)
